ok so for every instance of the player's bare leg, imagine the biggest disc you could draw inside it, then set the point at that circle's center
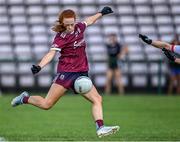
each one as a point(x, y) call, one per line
point(171, 84)
point(178, 85)
point(174, 78)
point(96, 100)
point(118, 80)
point(55, 92)
point(109, 76)
point(97, 112)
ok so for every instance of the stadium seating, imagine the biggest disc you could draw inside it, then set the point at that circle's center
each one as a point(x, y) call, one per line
point(25, 31)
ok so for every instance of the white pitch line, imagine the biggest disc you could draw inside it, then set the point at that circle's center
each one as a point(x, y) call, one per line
point(2, 139)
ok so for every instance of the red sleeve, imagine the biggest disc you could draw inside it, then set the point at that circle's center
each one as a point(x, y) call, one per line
point(58, 43)
point(82, 26)
point(172, 48)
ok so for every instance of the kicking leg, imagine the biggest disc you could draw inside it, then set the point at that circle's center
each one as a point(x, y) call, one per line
point(55, 92)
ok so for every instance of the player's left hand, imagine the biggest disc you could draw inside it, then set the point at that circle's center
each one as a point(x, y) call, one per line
point(106, 10)
point(169, 55)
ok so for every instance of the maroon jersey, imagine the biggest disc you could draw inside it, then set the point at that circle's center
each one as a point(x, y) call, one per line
point(72, 50)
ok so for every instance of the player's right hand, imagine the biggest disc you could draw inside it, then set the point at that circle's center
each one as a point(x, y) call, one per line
point(35, 69)
point(145, 39)
point(169, 54)
point(106, 10)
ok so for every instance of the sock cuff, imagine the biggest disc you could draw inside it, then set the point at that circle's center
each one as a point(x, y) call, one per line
point(25, 100)
point(99, 123)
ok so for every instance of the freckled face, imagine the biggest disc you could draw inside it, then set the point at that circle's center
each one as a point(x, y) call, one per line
point(69, 24)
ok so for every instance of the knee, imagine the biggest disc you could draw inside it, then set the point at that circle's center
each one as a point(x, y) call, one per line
point(98, 100)
point(47, 105)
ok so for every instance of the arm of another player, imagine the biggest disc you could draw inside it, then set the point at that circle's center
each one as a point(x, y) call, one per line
point(171, 56)
point(155, 43)
point(161, 44)
point(92, 19)
point(44, 61)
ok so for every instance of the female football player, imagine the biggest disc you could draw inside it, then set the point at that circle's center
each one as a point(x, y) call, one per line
point(69, 42)
point(166, 47)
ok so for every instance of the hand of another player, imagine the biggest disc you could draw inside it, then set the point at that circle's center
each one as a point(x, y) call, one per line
point(106, 10)
point(145, 39)
point(168, 54)
point(35, 69)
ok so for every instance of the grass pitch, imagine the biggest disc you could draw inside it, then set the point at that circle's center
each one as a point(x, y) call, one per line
point(141, 118)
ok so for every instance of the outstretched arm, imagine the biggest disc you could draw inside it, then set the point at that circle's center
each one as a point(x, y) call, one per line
point(166, 47)
point(92, 19)
point(161, 44)
point(45, 60)
point(155, 43)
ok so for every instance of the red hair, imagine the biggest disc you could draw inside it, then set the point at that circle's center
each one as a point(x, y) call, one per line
point(59, 27)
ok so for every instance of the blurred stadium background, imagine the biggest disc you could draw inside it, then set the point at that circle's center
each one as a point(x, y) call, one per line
point(25, 36)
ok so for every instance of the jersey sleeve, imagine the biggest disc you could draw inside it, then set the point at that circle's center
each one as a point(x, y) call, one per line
point(82, 26)
point(57, 43)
